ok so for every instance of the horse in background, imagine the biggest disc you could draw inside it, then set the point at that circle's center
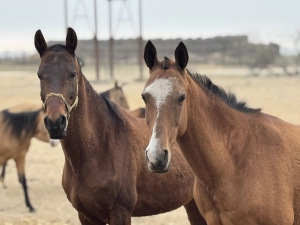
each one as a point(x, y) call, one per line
point(116, 95)
point(19, 124)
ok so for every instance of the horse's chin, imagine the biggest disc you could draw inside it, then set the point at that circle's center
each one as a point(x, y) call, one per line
point(58, 135)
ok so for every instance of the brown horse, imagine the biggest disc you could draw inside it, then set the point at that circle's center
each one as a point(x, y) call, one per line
point(104, 176)
point(19, 124)
point(246, 162)
point(116, 95)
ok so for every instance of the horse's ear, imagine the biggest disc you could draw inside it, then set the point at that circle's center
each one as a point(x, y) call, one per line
point(181, 56)
point(116, 84)
point(40, 43)
point(150, 55)
point(71, 41)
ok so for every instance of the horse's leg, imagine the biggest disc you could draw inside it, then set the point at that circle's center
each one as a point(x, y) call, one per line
point(86, 221)
point(20, 162)
point(206, 204)
point(120, 216)
point(193, 213)
point(3, 173)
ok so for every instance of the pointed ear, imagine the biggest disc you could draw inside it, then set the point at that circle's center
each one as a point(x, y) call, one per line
point(150, 55)
point(71, 41)
point(40, 43)
point(181, 56)
point(116, 84)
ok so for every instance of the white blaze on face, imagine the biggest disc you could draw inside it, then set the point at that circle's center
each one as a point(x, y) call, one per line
point(160, 89)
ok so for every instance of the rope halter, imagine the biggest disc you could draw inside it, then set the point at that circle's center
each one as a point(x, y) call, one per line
point(69, 107)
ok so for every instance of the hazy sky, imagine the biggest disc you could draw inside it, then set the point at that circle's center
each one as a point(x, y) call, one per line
point(262, 20)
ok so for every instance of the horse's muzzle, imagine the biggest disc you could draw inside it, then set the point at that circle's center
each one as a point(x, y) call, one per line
point(57, 129)
point(160, 164)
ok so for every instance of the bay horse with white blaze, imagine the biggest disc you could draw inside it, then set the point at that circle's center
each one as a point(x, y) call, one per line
point(104, 176)
point(19, 124)
point(247, 163)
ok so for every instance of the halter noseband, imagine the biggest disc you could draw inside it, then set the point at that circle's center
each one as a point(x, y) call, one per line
point(69, 107)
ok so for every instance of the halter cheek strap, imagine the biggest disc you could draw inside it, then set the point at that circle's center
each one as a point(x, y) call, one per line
point(69, 107)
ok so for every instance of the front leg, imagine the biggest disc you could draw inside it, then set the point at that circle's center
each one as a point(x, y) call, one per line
point(87, 221)
point(120, 216)
point(206, 204)
point(20, 162)
point(3, 173)
point(193, 213)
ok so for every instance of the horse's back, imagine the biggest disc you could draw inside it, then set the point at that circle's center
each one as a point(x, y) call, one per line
point(13, 136)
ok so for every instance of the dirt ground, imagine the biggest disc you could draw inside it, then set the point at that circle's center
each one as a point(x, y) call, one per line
point(279, 96)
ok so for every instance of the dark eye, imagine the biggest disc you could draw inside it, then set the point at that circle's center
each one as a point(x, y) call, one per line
point(144, 98)
point(181, 98)
point(73, 75)
point(39, 76)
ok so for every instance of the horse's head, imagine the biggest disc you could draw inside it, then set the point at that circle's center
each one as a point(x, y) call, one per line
point(59, 72)
point(166, 109)
point(117, 96)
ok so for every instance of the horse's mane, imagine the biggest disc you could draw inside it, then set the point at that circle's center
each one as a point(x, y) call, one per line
point(114, 108)
point(22, 121)
point(228, 98)
point(105, 94)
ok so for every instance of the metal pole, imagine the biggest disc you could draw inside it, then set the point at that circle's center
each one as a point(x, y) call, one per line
point(140, 40)
point(96, 41)
point(66, 15)
point(111, 43)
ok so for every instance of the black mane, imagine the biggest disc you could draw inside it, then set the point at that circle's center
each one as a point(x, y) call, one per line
point(19, 122)
point(105, 94)
point(229, 98)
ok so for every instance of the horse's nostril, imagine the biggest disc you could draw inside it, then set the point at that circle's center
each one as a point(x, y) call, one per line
point(46, 122)
point(63, 122)
point(166, 157)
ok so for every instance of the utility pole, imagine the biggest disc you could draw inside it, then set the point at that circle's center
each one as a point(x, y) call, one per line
point(96, 41)
point(111, 43)
point(140, 40)
point(66, 15)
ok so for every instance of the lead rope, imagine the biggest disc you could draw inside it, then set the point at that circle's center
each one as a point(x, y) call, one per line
point(69, 107)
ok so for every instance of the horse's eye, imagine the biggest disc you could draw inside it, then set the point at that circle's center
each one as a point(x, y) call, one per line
point(144, 98)
point(39, 76)
point(181, 98)
point(73, 75)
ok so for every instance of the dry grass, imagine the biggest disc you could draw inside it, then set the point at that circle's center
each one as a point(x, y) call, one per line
point(276, 96)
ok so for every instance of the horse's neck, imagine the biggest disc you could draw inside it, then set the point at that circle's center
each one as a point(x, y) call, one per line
point(210, 136)
point(89, 125)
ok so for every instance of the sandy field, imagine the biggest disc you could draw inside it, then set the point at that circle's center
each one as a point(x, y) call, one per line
point(279, 96)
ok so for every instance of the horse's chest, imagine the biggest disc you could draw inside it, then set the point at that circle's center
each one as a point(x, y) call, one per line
point(91, 198)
